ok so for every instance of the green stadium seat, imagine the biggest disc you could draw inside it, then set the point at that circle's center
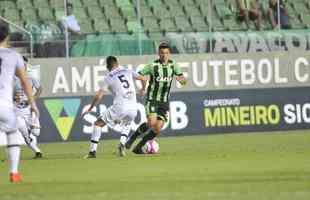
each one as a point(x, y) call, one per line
point(145, 11)
point(11, 14)
point(41, 3)
point(183, 24)
point(90, 3)
point(192, 10)
point(46, 14)
point(7, 5)
point(151, 24)
point(172, 2)
point(95, 12)
point(118, 25)
point(168, 25)
point(300, 6)
point(215, 23)
point(123, 3)
point(24, 4)
point(176, 11)
point(128, 13)
point(56, 4)
point(101, 25)
point(112, 12)
point(223, 10)
point(80, 13)
point(306, 20)
point(199, 23)
point(204, 3)
point(134, 27)
point(86, 26)
point(29, 14)
point(76, 4)
point(296, 23)
point(160, 12)
point(187, 2)
point(155, 3)
point(232, 25)
point(106, 3)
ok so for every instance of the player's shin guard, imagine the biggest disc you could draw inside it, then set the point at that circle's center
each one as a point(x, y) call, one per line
point(13, 151)
point(95, 137)
point(143, 128)
point(150, 136)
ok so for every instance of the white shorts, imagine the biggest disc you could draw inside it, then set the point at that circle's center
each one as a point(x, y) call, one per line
point(119, 118)
point(7, 119)
point(24, 114)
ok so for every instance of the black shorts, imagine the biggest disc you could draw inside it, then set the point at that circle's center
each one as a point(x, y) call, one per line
point(159, 109)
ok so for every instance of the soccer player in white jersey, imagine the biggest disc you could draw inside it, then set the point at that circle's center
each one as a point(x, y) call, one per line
point(11, 64)
point(124, 109)
point(27, 123)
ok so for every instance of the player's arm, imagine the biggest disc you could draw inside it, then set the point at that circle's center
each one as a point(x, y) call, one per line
point(143, 80)
point(38, 92)
point(21, 74)
point(179, 75)
point(96, 99)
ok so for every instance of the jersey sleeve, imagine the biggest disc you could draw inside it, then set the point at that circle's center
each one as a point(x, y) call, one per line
point(177, 70)
point(35, 83)
point(134, 74)
point(105, 84)
point(146, 70)
point(20, 61)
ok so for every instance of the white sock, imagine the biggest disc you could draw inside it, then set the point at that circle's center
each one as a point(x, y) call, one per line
point(33, 144)
point(123, 139)
point(95, 137)
point(14, 154)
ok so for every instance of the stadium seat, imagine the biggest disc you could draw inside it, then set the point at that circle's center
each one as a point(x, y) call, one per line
point(29, 14)
point(215, 23)
point(171, 3)
point(192, 10)
point(187, 3)
point(76, 4)
point(134, 27)
point(95, 12)
point(118, 25)
point(199, 23)
point(183, 24)
point(41, 3)
point(161, 12)
point(155, 3)
point(90, 3)
point(231, 24)
point(223, 10)
point(145, 11)
point(80, 13)
point(123, 3)
point(167, 25)
point(24, 4)
point(101, 25)
point(86, 26)
point(11, 14)
point(112, 12)
point(106, 3)
point(176, 11)
point(46, 14)
point(128, 12)
point(7, 4)
point(150, 24)
point(56, 4)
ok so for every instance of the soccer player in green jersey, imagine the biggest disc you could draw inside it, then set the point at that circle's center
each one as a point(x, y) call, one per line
point(161, 73)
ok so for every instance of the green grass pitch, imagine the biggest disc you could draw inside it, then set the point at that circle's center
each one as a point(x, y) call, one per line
point(264, 166)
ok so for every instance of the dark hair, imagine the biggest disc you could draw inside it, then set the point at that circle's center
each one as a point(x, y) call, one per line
point(4, 30)
point(25, 59)
point(164, 45)
point(111, 60)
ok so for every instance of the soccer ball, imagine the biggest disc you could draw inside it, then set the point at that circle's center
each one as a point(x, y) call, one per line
point(151, 147)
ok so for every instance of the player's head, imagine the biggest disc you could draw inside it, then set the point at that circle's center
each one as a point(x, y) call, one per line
point(164, 52)
point(4, 31)
point(111, 62)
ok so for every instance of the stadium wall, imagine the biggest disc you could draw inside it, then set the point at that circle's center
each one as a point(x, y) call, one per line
point(226, 93)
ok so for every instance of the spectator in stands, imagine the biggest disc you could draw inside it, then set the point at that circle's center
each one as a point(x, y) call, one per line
point(70, 22)
point(273, 15)
point(249, 10)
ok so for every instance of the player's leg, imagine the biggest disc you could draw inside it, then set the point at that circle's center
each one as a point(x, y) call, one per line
point(35, 131)
point(144, 127)
point(13, 149)
point(125, 130)
point(156, 124)
point(95, 138)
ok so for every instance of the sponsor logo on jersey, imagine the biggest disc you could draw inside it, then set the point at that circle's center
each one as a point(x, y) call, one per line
point(163, 79)
point(63, 112)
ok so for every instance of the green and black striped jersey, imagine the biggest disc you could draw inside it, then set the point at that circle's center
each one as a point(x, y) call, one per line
point(161, 77)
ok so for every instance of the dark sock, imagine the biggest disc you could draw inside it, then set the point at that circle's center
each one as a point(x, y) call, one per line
point(141, 130)
point(150, 136)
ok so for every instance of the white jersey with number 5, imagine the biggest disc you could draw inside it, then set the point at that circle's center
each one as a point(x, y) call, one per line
point(9, 62)
point(121, 83)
